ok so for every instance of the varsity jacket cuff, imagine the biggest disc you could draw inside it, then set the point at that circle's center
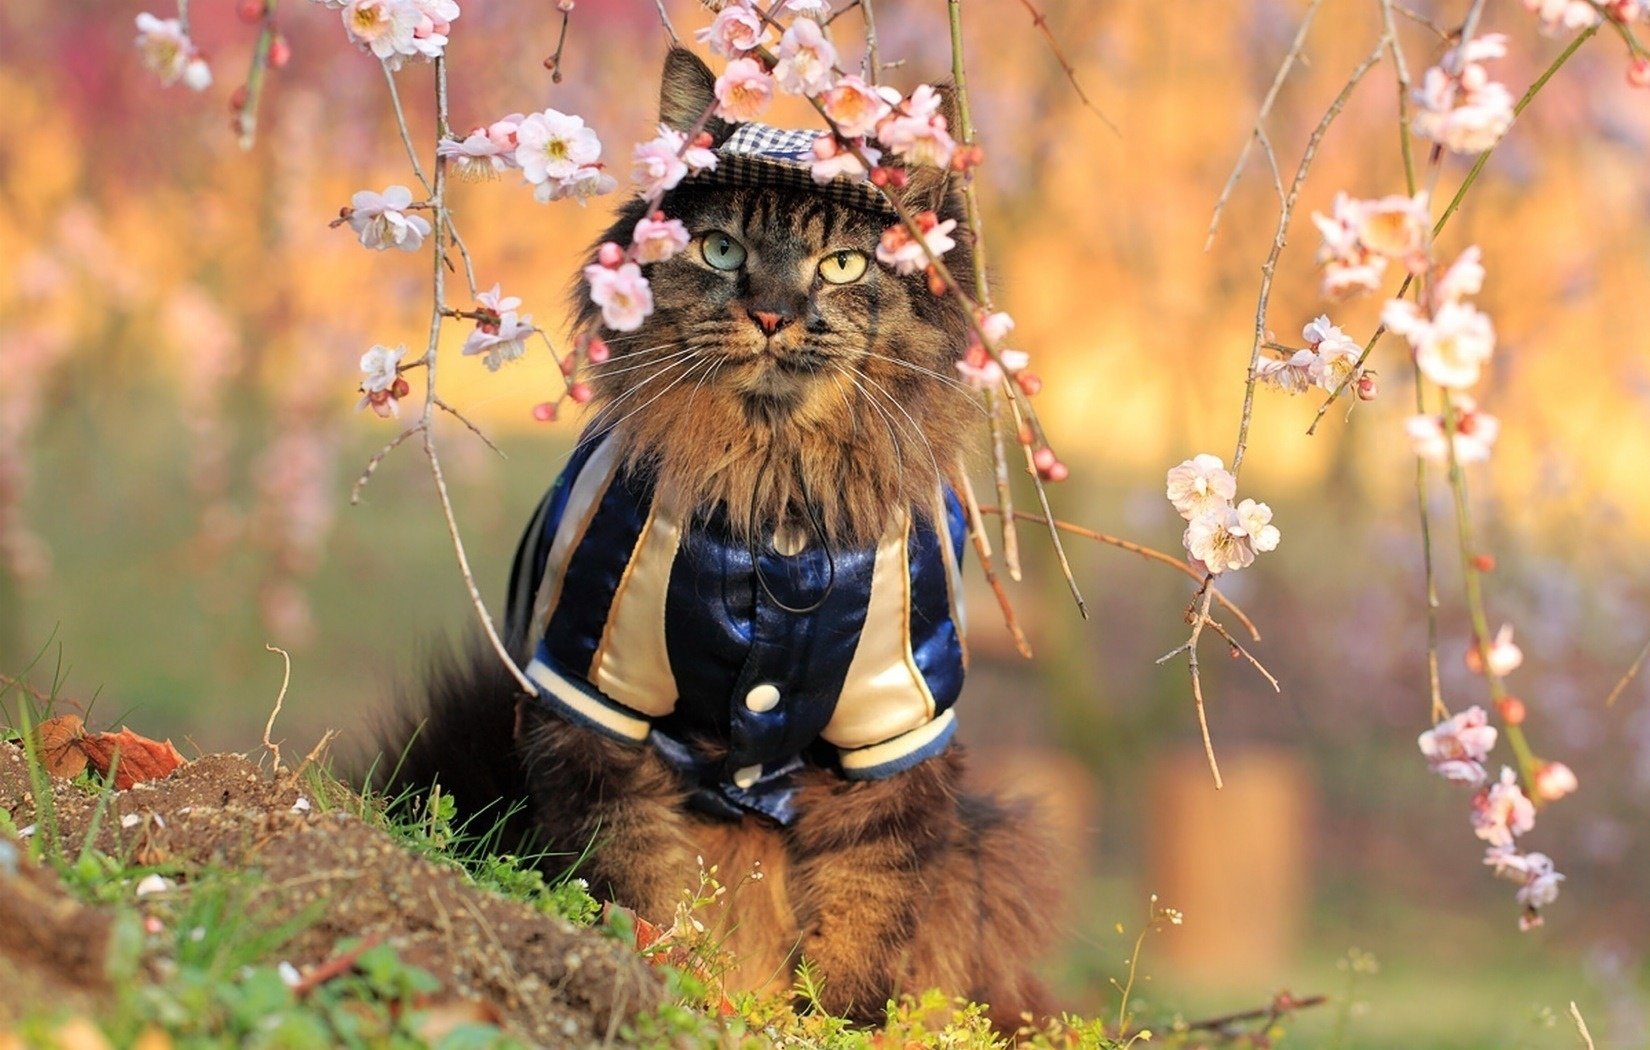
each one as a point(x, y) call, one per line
point(578, 702)
point(901, 752)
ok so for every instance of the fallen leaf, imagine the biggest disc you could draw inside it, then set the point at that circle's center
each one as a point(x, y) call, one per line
point(140, 758)
point(58, 739)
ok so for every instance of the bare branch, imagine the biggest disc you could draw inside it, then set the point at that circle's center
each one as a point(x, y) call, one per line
point(1040, 20)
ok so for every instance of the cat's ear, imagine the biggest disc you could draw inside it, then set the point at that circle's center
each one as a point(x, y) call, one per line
point(687, 91)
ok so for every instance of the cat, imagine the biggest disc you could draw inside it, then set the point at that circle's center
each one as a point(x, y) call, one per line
point(740, 605)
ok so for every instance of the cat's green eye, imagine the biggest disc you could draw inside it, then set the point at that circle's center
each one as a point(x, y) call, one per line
point(722, 251)
point(842, 267)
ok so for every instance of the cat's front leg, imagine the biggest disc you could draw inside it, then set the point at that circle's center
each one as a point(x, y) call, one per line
point(616, 805)
point(863, 851)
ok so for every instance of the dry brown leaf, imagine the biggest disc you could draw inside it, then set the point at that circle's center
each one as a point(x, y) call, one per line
point(140, 758)
point(436, 1021)
point(59, 740)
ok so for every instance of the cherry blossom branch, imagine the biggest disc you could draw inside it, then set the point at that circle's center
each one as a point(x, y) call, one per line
point(477, 431)
point(1258, 133)
point(1449, 210)
point(982, 291)
point(1040, 20)
point(982, 550)
point(431, 400)
point(873, 64)
point(664, 20)
point(246, 114)
point(406, 137)
point(1198, 616)
point(553, 63)
point(1149, 553)
point(378, 457)
point(1626, 679)
point(1281, 1006)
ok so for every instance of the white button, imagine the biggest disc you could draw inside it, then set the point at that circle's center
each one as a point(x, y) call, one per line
point(763, 698)
point(746, 777)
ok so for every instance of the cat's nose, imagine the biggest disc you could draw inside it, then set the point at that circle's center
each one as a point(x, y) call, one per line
point(768, 320)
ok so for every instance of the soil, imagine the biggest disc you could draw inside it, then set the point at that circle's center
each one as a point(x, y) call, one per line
point(551, 982)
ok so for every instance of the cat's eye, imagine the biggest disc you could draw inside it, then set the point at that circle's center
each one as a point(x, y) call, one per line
point(842, 267)
point(721, 250)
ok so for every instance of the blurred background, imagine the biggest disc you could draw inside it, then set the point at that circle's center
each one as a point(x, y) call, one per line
point(179, 338)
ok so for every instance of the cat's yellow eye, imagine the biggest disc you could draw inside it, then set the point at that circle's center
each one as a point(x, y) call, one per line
point(842, 267)
point(721, 250)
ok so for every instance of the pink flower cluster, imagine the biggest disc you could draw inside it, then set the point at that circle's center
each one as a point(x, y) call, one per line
point(396, 30)
point(1361, 236)
point(1500, 811)
point(662, 162)
point(381, 384)
point(501, 334)
point(1559, 17)
point(1329, 358)
point(979, 369)
point(555, 152)
point(907, 253)
point(1460, 107)
point(616, 282)
point(382, 220)
point(1219, 536)
point(170, 54)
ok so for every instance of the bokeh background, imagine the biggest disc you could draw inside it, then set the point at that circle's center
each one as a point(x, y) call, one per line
point(179, 337)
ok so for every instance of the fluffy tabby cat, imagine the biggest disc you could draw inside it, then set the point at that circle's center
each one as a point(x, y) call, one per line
point(739, 603)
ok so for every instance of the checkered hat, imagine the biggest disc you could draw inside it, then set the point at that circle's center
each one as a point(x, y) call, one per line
point(762, 155)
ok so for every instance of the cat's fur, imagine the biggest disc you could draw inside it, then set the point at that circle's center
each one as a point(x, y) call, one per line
point(847, 416)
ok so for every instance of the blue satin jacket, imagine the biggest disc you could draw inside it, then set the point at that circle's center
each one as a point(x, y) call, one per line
point(655, 631)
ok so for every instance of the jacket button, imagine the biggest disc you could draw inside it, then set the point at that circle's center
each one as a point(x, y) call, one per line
point(744, 778)
point(764, 697)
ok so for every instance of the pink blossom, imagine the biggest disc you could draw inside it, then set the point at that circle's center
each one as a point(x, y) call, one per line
point(169, 53)
point(982, 372)
point(1335, 355)
point(743, 91)
point(381, 382)
point(1463, 277)
point(834, 160)
point(384, 28)
point(501, 342)
point(905, 253)
point(662, 162)
point(1500, 812)
point(854, 106)
point(657, 238)
point(1465, 111)
point(580, 186)
point(1396, 227)
point(736, 29)
point(1199, 485)
point(1554, 780)
point(1293, 374)
point(1475, 433)
point(1214, 539)
point(1253, 521)
point(494, 299)
point(916, 131)
point(805, 58)
point(1455, 748)
point(1504, 657)
point(382, 222)
point(1558, 16)
point(1451, 346)
point(997, 326)
point(622, 293)
point(1535, 875)
point(485, 152)
point(551, 146)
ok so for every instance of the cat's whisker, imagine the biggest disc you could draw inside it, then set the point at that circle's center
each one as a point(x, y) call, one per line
point(973, 398)
point(688, 371)
point(915, 427)
point(888, 423)
point(620, 366)
point(607, 409)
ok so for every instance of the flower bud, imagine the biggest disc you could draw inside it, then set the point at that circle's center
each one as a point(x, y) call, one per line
point(1553, 781)
point(880, 176)
point(1056, 472)
point(567, 364)
point(250, 11)
point(581, 393)
point(1030, 383)
point(610, 255)
point(1638, 72)
point(1511, 709)
point(1366, 387)
point(237, 102)
point(936, 283)
point(1043, 459)
point(545, 411)
point(280, 53)
point(1483, 562)
point(598, 351)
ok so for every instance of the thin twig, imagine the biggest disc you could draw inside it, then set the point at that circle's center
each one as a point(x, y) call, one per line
point(269, 727)
point(1149, 553)
point(983, 552)
point(553, 63)
point(1626, 679)
point(1581, 1025)
point(1282, 1004)
point(406, 134)
point(463, 253)
point(246, 116)
point(1040, 20)
point(873, 64)
point(1258, 132)
point(1238, 649)
point(664, 20)
point(477, 431)
point(377, 458)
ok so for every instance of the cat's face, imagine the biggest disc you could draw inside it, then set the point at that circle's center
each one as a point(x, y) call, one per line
point(783, 366)
point(779, 301)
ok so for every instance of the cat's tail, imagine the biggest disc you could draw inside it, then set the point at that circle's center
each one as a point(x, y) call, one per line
point(456, 731)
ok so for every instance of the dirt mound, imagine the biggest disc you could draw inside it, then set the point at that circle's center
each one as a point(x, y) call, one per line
point(551, 982)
